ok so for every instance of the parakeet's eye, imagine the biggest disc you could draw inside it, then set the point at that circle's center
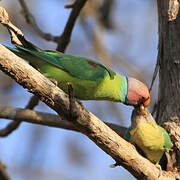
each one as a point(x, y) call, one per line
point(144, 101)
point(141, 101)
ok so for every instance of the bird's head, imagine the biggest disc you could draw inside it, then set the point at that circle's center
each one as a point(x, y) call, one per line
point(141, 115)
point(137, 93)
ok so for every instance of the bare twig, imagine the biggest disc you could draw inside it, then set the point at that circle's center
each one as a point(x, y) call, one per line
point(31, 20)
point(156, 70)
point(65, 37)
point(47, 119)
point(15, 124)
point(3, 173)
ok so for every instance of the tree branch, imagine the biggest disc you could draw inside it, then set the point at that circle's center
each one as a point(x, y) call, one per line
point(121, 151)
point(47, 119)
point(15, 124)
point(31, 20)
point(65, 37)
point(3, 173)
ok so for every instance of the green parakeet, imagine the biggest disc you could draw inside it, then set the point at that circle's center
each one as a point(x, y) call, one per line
point(151, 138)
point(90, 80)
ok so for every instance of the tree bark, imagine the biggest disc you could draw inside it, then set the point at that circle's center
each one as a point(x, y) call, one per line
point(168, 109)
point(169, 62)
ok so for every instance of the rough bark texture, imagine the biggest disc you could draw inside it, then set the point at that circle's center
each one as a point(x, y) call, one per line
point(169, 77)
point(169, 61)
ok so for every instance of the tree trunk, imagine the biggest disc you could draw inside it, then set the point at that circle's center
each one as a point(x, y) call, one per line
point(168, 109)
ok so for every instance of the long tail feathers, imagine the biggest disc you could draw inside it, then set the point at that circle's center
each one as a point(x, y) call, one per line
point(15, 50)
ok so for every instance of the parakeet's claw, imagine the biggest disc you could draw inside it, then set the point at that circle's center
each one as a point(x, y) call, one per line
point(113, 165)
point(160, 170)
point(73, 113)
point(54, 81)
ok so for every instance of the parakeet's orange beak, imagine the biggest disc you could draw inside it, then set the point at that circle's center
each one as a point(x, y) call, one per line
point(146, 102)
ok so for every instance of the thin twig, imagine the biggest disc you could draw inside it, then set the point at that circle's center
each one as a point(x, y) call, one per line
point(65, 37)
point(3, 173)
point(47, 119)
point(15, 124)
point(31, 20)
point(154, 75)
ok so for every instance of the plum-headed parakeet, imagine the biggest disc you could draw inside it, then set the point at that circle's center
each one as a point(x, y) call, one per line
point(90, 80)
point(151, 138)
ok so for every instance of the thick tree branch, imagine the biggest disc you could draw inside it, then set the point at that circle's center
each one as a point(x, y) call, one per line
point(121, 151)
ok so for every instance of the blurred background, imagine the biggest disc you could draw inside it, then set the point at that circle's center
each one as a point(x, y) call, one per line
point(122, 34)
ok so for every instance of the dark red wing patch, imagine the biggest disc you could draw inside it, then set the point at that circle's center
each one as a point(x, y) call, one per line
point(92, 64)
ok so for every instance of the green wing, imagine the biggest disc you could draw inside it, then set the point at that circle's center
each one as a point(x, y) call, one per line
point(167, 140)
point(79, 67)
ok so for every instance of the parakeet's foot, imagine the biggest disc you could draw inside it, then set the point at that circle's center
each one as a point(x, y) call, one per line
point(73, 113)
point(113, 165)
point(160, 170)
point(54, 81)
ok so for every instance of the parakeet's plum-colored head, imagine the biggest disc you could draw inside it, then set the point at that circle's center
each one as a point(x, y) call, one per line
point(137, 93)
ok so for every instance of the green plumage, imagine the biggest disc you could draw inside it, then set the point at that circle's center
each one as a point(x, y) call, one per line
point(152, 139)
point(90, 80)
